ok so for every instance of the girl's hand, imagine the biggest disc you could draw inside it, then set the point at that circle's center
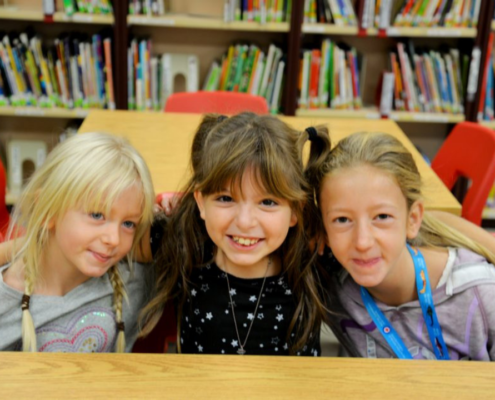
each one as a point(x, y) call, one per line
point(166, 202)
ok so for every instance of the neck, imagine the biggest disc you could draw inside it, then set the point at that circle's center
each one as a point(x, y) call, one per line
point(56, 277)
point(401, 288)
point(259, 270)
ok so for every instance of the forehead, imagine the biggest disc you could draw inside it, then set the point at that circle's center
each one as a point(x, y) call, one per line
point(360, 185)
point(129, 199)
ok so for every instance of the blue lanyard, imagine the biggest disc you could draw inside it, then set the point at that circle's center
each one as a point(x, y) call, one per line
point(427, 306)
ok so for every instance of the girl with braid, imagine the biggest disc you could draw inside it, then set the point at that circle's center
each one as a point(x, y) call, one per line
point(82, 212)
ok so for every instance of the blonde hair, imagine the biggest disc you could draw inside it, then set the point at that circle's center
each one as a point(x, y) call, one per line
point(388, 154)
point(88, 170)
point(223, 150)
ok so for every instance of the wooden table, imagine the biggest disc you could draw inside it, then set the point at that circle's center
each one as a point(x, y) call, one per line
point(164, 140)
point(172, 376)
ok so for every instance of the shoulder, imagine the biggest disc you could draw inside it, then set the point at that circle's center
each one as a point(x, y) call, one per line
point(468, 270)
point(12, 277)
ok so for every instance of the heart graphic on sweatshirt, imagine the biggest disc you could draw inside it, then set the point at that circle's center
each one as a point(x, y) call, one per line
point(90, 330)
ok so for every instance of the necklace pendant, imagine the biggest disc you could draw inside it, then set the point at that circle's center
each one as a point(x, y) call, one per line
point(241, 351)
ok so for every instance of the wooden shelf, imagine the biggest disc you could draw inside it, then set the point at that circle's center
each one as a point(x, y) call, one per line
point(489, 124)
point(329, 29)
point(43, 112)
point(80, 18)
point(488, 213)
point(372, 113)
point(365, 113)
point(405, 116)
point(184, 21)
point(426, 32)
point(14, 13)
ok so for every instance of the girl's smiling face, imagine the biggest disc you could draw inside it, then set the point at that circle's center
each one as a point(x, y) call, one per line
point(86, 244)
point(246, 224)
point(367, 223)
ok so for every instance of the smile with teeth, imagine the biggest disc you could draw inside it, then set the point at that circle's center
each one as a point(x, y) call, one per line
point(245, 241)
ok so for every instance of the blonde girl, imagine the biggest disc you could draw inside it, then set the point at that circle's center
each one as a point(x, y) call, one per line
point(83, 211)
point(233, 257)
point(411, 286)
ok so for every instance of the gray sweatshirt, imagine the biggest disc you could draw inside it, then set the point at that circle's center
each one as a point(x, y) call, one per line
point(464, 306)
point(81, 321)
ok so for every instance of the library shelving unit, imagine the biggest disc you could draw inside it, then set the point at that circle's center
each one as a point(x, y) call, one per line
point(426, 129)
point(37, 123)
point(197, 27)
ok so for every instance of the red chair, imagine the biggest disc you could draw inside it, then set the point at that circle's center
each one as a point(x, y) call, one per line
point(215, 102)
point(163, 333)
point(469, 151)
point(4, 213)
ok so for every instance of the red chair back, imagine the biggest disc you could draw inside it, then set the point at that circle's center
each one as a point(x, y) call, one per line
point(468, 151)
point(163, 333)
point(216, 102)
point(4, 213)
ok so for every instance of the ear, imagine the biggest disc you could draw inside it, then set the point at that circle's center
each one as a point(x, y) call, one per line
point(200, 201)
point(293, 219)
point(415, 218)
point(51, 223)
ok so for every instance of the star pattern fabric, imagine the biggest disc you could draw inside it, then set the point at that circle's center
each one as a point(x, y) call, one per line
point(208, 308)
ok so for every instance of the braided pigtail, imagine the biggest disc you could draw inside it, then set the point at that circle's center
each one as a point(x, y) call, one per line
point(118, 296)
point(28, 331)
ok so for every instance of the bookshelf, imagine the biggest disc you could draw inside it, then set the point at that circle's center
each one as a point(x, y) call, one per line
point(197, 27)
point(195, 22)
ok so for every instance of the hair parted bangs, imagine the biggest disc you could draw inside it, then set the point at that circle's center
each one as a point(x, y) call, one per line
point(382, 151)
point(252, 148)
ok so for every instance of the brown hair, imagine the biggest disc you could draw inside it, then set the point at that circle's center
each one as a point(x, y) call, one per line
point(222, 151)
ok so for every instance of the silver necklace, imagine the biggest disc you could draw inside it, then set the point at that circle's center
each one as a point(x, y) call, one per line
point(241, 350)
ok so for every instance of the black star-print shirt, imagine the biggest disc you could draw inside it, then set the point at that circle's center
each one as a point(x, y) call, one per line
point(207, 324)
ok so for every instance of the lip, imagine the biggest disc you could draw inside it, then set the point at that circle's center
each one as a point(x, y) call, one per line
point(366, 263)
point(100, 257)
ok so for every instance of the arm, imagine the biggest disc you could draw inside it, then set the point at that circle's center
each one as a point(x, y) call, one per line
point(469, 229)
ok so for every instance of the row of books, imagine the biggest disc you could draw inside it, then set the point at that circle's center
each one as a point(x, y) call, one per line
point(151, 78)
point(70, 73)
point(427, 81)
point(420, 13)
point(329, 78)
point(146, 7)
point(338, 12)
point(247, 69)
point(486, 105)
point(257, 10)
point(87, 6)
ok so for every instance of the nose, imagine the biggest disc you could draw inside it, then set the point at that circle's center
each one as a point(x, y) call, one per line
point(364, 236)
point(111, 234)
point(246, 218)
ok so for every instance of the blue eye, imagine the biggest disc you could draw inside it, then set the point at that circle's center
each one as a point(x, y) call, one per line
point(96, 215)
point(129, 224)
